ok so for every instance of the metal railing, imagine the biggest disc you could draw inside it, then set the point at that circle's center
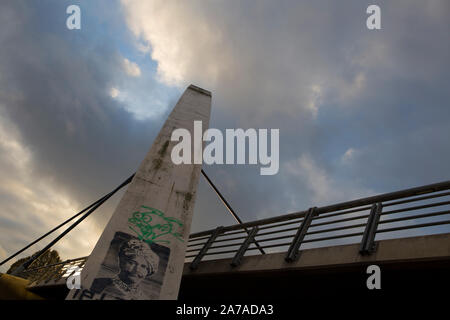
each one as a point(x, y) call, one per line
point(410, 212)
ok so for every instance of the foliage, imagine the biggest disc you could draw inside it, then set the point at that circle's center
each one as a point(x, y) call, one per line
point(49, 257)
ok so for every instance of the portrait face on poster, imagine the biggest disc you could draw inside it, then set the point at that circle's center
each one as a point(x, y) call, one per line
point(132, 269)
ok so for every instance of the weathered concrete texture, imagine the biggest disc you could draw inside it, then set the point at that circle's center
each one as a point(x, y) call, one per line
point(158, 184)
point(415, 249)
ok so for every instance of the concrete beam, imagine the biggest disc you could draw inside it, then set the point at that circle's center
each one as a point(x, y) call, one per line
point(414, 249)
point(140, 254)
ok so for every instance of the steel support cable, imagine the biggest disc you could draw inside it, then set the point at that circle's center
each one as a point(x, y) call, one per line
point(91, 209)
point(230, 210)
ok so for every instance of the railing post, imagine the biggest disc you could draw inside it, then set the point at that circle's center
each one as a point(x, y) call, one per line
point(368, 245)
point(293, 252)
point(240, 253)
point(202, 252)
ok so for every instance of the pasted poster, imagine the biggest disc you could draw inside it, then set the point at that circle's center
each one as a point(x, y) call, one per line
point(135, 263)
point(133, 269)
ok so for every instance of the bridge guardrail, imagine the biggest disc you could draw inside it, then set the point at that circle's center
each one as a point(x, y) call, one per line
point(364, 220)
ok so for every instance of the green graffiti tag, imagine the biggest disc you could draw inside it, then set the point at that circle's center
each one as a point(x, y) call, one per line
point(151, 225)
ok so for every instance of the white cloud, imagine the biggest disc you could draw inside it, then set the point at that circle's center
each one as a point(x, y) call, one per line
point(348, 156)
point(114, 92)
point(315, 99)
point(183, 41)
point(131, 68)
point(241, 54)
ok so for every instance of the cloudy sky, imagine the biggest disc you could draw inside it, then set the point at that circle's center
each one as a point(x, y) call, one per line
point(360, 112)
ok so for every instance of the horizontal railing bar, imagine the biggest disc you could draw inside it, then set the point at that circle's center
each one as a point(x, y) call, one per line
point(276, 231)
point(220, 252)
point(274, 245)
point(284, 244)
point(414, 226)
point(417, 216)
point(335, 237)
point(220, 235)
point(416, 199)
point(231, 233)
point(445, 185)
point(229, 239)
point(251, 249)
point(261, 222)
point(437, 204)
point(314, 240)
point(196, 244)
point(337, 228)
point(226, 245)
point(276, 238)
point(194, 250)
point(281, 224)
point(341, 213)
point(215, 247)
point(338, 221)
point(199, 238)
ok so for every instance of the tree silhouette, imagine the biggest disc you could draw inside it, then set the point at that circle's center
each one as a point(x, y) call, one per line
point(49, 257)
